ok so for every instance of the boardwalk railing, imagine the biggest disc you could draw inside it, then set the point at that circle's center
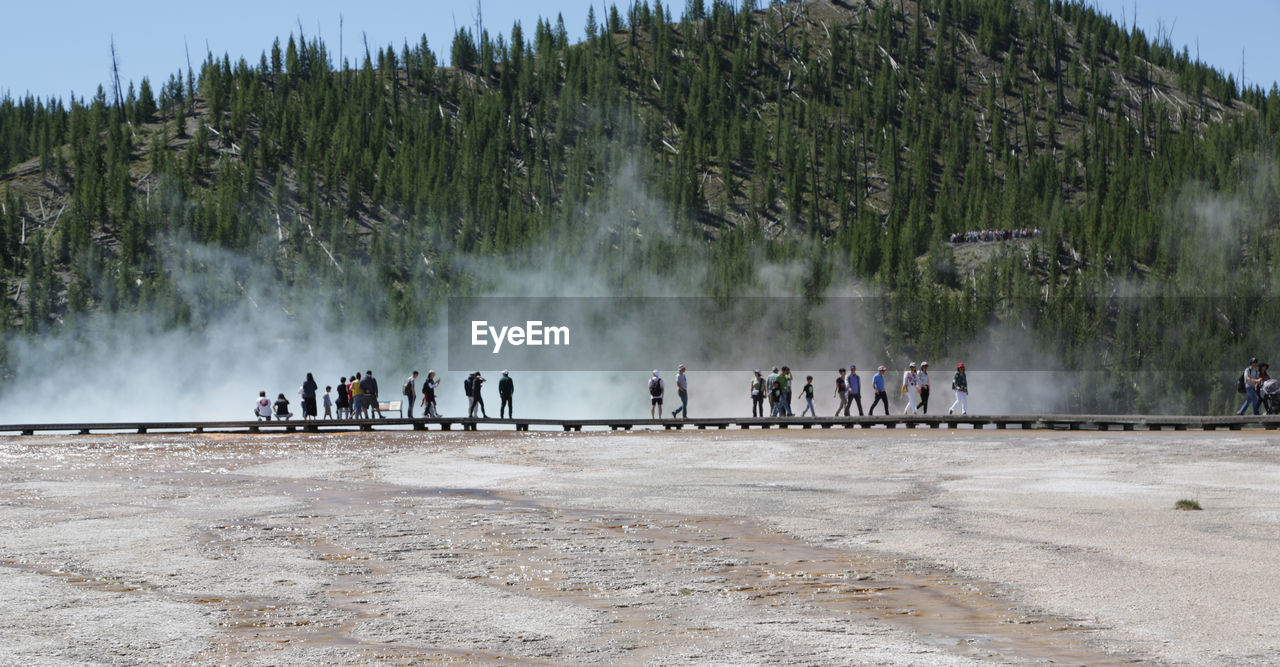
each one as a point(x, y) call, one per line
point(1059, 422)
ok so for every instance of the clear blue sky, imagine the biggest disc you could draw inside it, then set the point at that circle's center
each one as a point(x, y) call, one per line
point(53, 47)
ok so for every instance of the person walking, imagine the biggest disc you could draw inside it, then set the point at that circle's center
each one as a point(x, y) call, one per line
point(855, 390)
point(877, 385)
point(409, 390)
point(506, 389)
point(757, 394)
point(429, 396)
point(842, 393)
point(960, 384)
point(922, 379)
point(309, 388)
point(370, 387)
point(682, 390)
point(1252, 376)
point(656, 390)
point(807, 392)
point(911, 387)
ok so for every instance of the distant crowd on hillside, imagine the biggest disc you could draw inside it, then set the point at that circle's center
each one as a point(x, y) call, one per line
point(994, 235)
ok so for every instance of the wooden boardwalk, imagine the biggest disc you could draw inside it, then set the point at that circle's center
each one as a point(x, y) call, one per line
point(1041, 422)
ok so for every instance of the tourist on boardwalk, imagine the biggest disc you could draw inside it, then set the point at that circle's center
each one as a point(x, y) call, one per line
point(877, 385)
point(922, 379)
point(771, 389)
point(357, 396)
point(370, 387)
point(410, 390)
point(282, 408)
point(328, 402)
point(476, 385)
point(262, 410)
point(682, 390)
point(842, 393)
point(344, 399)
point(656, 390)
point(757, 394)
point(429, 396)
point(960, 384)
point(786, 386)
point(1252, 377)
point(911, 387)
point(506, 389)
point(855, 390)
point(309, 388)
point(807, 392)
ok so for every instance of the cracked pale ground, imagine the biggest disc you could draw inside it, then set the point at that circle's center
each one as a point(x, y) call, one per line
point(821, 547)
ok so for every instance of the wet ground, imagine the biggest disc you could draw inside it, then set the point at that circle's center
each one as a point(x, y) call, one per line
point(730, 547)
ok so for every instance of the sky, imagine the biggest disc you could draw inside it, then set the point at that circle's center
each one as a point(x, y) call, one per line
point(54, 47)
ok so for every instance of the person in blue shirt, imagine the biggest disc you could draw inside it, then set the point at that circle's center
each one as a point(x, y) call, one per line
point(877, 383)
point(855, 391)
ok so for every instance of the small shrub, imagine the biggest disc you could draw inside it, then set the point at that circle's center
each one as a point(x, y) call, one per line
point(1185, 504)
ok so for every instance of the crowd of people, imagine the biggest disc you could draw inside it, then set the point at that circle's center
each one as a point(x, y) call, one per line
point(356, 397)
point(778, 386)
point(988, 235)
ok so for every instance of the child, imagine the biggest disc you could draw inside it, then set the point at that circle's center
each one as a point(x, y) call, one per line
point(808, 397)
point(328, 402)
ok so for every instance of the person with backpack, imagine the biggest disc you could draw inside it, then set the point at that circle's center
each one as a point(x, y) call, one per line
point(370, 387)
point(855, 390)
point(656, 390)
point(842, 393)
point(877, 385)
point(429, 396)
point(757, 394)
point(960, 384)
point(469, 388)
point(682, 390)
point(409, 391)
point(506, 389)
point(1250, 378)
point(807, 392)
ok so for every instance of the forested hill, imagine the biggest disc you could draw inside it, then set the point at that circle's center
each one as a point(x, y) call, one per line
point(851, 138)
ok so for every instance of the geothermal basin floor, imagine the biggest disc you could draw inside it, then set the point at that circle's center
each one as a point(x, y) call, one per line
point(815, 547)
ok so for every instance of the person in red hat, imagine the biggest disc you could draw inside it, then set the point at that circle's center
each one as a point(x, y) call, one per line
point(960, 384)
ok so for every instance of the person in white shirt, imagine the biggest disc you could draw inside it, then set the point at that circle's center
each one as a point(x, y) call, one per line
point(922, 380)
point(911, 387)
point(263, 409)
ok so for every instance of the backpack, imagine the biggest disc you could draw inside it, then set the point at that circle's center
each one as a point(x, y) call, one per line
point(408, 388)
point(466, 386)
point(1240, 384)
point(655, 387)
